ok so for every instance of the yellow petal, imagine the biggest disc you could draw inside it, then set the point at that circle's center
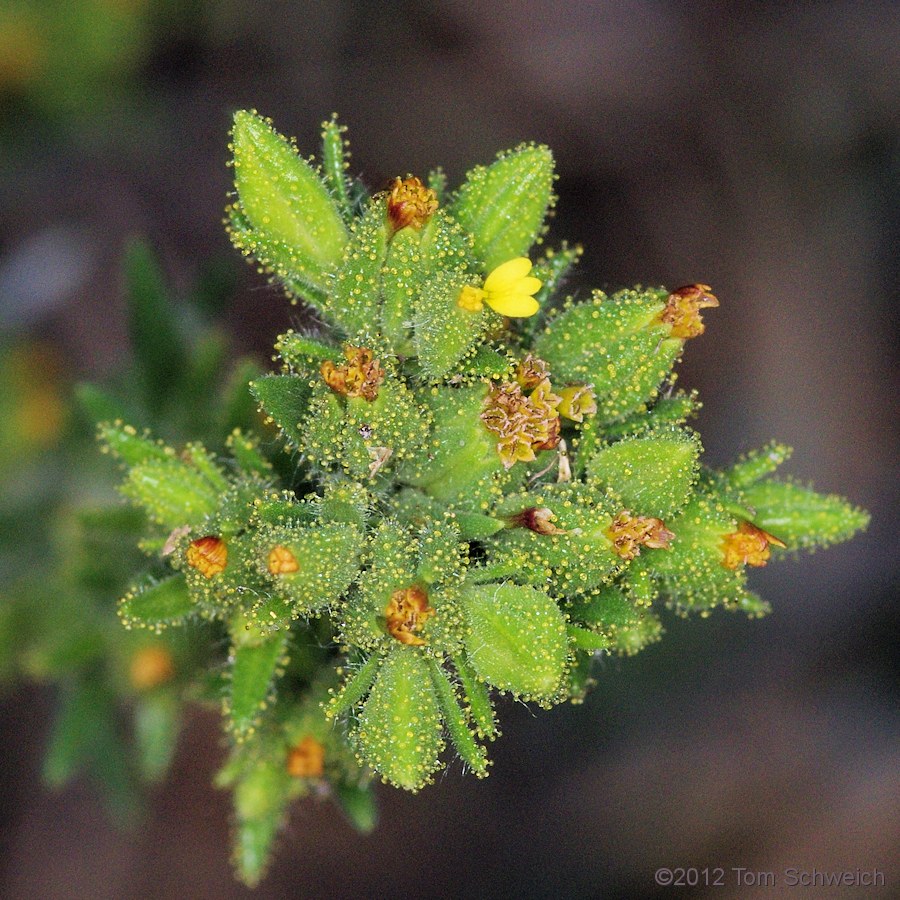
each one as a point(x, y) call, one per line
point(508, 274)
point(513, 304)
point(530, 285)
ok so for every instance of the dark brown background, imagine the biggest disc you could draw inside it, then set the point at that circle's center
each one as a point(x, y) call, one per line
point(750, 146)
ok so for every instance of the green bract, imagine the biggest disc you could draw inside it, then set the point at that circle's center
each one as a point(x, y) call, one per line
point(438, 508)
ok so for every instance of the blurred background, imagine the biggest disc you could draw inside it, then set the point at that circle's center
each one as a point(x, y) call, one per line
point(753, 147)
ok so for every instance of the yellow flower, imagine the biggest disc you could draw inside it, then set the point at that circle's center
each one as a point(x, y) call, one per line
point(508, 290)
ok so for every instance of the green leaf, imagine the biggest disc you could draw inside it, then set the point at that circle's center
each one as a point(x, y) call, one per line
point(156, 604)
point(615, 344)
point(159, 348)
point(260, 800)
point(335, 161)
point(131, 448)
point(757, 464)
point(254, 670)
point(399, 729)
point(284, 398)
point(358, 803)
point(651, 475)
point(156, 723)
point(517, 639)
point(800, 517)
point(457, 722)
point(503, 205)
point(284, 216)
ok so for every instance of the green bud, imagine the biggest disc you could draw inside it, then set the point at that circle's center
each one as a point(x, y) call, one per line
point(517, 639)
point(651, 475)
point(616, 344)
point(503, 205)
point(399, 730)
point(284, 215)
point(800, 517)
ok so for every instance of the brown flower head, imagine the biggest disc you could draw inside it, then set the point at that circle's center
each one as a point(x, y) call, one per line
point(629, 533)
point(361, 376)
point(410, 203)
point(208, 555)
point(748, 545)
point(406, 613)
point(307, 759)
point(682, 310)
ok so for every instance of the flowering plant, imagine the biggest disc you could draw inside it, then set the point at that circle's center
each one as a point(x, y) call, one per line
point(475, 489)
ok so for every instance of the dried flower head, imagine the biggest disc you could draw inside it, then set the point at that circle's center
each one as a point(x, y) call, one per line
point(523, 424)
point(536, 519)
point(410, 204)
point(531, 371)
point(748, 545)
point(629, 533)
point(406, 613)
point(361, 376)
point(682, 310)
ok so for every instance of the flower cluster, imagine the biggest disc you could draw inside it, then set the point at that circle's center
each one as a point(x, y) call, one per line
point(471, 504)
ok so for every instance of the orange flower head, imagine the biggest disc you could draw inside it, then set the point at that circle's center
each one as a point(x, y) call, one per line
point(150, 667)
point(748, 545)
point(281, 561)
point(307, 759)
point(629, 533)
point(682, 310)
point(361, 376)
point(406, 613)
point(410, 204)
point(208, 555)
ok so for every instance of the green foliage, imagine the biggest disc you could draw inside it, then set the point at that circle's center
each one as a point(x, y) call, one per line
point(449, 511)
